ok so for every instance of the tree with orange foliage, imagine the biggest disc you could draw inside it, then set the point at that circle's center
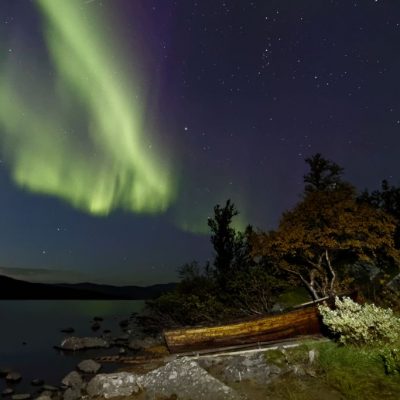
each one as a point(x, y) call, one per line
point(325, 233)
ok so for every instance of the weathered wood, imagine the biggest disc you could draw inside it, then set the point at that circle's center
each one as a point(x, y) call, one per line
point(248, 347)
point(303, 321)
point(128, 359)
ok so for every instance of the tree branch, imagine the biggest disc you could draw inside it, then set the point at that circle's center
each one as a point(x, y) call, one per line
point(331, 270)
point(309, 286)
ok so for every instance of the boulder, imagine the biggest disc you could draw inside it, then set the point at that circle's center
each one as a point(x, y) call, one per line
point(43, 397)
point(73, 380)
point(113, 385)
point(185, 379)
point(74, 343)
point(89, 366)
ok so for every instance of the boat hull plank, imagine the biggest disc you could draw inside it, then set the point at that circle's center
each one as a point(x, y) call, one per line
point(305, 321)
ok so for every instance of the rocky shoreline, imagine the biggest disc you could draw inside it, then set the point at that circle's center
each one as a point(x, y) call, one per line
point(203, 378)
point(145, 370)
point(129, 338)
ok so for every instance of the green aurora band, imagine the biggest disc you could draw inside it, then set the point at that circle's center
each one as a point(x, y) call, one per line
point(80, 132)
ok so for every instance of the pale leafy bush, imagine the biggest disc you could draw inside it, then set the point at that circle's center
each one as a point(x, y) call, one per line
point(360, 324)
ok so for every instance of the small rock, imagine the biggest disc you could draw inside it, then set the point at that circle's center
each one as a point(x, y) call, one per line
point(46, 393)
point(298, 369)
point(13, 377)
point(122, 351)
point(89, 366)
point(74, 343)
point(312, 355)
point(7, 392)
point(73, 380)
point(37, 382)
point(43, 397)
point(24, 396)
point(49, 388)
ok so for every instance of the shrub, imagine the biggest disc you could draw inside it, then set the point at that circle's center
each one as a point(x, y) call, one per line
point(391, 360)
point(178, 307)
point(360, 324)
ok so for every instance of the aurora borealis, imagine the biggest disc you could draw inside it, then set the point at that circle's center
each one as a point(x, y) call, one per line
point(108, 163)
point(122, 123)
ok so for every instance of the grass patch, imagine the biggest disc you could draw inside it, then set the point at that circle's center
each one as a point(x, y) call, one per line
point(298, 355)
point(356, 372)
point(342, 372)
point(299, 388)
point(275, 357)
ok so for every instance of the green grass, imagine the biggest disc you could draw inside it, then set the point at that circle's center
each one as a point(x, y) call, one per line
point(299, 388)
point(356, 372)
point(342, 373)
point(275, 357)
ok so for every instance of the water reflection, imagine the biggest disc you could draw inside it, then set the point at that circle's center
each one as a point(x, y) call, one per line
point(30, 329)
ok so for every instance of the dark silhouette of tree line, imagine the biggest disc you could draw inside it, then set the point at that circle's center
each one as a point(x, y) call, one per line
point(332, 241)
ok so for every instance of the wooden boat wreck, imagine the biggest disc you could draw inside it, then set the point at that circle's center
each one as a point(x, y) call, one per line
point(304, 320)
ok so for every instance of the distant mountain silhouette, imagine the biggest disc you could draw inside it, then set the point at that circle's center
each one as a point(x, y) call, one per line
point(11, 289)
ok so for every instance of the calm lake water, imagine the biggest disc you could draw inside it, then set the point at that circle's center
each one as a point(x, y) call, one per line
point(38, 323)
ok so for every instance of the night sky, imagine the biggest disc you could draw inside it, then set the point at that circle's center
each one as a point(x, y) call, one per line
point(122, 123)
